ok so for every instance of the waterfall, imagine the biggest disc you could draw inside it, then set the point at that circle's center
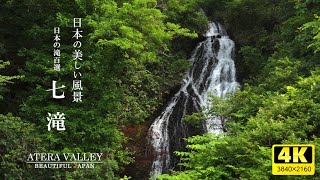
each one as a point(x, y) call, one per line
point(213, 72)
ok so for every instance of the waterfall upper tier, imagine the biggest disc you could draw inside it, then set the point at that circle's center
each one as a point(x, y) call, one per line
point(215, 29)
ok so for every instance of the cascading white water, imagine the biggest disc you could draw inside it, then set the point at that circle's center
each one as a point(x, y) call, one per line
point(213, 72)
point(222, 79)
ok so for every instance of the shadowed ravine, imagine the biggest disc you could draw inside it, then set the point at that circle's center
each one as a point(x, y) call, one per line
point(213, 72)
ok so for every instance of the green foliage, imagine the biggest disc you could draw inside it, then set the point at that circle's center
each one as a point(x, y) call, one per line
point(177, 10)
point(314, 26)
point(217, 157)
point(5, 79)
point(134, 49)
point(18, 138)
point(129, 68)
point(279, 103)
point(244, 151)
point(253, 61)
point(135, 54)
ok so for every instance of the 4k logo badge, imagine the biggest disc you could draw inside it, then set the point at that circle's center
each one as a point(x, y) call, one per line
point(293, 159)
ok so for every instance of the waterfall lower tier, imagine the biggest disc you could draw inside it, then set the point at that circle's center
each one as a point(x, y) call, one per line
point(212, 73)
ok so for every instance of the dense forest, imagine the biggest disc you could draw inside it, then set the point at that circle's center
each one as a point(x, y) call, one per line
point(135, 55)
